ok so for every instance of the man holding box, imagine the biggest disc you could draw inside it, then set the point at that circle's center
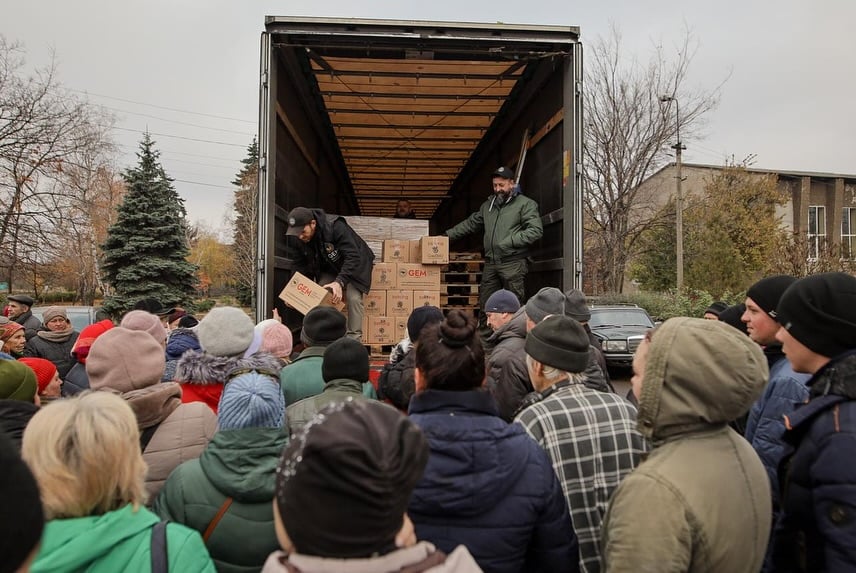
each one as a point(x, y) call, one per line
point(334, 256)
point(510, 222)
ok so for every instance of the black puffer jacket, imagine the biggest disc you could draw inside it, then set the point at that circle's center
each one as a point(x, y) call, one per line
point(58, 352)
point(14, 417)
point(76, 381)
point(507, 366)
point(335, 249)
point(396, 382)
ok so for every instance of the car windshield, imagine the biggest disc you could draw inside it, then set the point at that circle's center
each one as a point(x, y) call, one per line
point(603, 318)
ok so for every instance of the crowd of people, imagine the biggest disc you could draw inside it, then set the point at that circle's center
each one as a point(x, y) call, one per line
point(167, 443)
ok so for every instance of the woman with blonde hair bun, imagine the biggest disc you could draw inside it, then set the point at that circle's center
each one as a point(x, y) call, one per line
point(85, 455)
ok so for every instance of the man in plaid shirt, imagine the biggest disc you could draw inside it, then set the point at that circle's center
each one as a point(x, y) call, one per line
point(590, 436)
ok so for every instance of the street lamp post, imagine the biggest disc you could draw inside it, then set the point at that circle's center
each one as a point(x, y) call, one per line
point(679, 200)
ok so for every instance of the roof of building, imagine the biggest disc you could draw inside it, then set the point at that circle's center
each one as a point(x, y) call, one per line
point(781, 172)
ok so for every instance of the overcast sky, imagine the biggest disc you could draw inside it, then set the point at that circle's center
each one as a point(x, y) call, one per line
point(188, 71)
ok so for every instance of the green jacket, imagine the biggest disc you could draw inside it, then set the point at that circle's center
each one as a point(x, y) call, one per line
point(302, 378)
point(299, 413)
point(240, 464)
point(508, 229)
point(119, 540)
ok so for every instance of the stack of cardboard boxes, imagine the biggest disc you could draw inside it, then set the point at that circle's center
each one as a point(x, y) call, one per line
point(408, 277)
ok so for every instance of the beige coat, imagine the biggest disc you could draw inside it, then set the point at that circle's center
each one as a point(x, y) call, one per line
point(701, 501)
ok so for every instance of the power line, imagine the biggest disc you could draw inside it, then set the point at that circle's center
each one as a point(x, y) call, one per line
point(162, 107)
point(163, 151)
point(204, 184)
point(178, 136)
point(178, 122)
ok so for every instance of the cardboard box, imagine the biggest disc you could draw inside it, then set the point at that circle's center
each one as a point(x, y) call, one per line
point(415, 251)
point(400, 327)
point(396, 251)
point(374, 303)
point(426, 298)
point(304, 294)
point(381, 330)
point(418, 276)
point(384, 276)
point(434, 250)
point(399, 302)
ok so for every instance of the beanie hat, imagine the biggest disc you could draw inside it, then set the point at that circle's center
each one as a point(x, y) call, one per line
point(225, 331)
point(125, 360)
point(716, 308)
point(17, 381)
point(251, 400)
point(345, 358)
point(276, 338)
point(147, 322)
point(187, 321)
point(8, 328)
point(731, 317)
point(559, 341)
point(575, 305)
point(323, 325)
point(52, 312)
point(820, 312)
point(43, 369)
point(343, 484)
point(502, 301)
point(180, 341)
point(548, 300)
point(22, 518)
point(87, 336)
point(421, 317)
point(767, 292)
point(153, 306)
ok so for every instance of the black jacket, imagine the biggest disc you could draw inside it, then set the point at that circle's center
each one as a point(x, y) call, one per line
point(76, 381)
point(396, 382)
point(14, 417)
point(57, 352)
point(335, 249)
point(30, 323)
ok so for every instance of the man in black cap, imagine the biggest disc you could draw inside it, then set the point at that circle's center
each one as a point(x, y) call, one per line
point(333, 255)
point(19, 311)
point(511, 223)
point(816, 530)
point(590, 436)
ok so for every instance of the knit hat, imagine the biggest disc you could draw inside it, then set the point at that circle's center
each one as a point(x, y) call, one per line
point(323, 325)
point(767, 292)
point(52, 312)
point(820, 312)
point(276, 338)
point(345, 358)
point(8, 328)
point(421, 317)
point(715, 308)
point(187, 321)
point(125, 360)
point(43, 369)
point(251, 400)
point(153, 306)
point(502, 301)
point(575, 305)
point(559, 341)
point(225, 331)
point(147, 322)
point(22, 519)
point(17, 381)
point(548, 300)
point(343, 484)
point(731, 317)
point(87, 336)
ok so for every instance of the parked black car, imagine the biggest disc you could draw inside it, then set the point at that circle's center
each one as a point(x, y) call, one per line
point(620, 329)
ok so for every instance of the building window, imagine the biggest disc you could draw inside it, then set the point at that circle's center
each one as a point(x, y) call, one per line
point(848, 232)
point(816, 230)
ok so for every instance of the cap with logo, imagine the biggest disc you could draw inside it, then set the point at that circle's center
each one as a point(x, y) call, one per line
point(504, 172)
point(298, 218)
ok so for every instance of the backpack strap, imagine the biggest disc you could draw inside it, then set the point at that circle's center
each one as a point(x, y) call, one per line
point(213, 525)
point(160, 561)
point(146, 436)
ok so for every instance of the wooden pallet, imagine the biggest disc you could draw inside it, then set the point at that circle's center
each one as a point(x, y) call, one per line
point(457, 299)
point(379, 350)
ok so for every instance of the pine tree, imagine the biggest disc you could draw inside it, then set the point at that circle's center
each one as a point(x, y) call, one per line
point(246, 225)
point(145, 253)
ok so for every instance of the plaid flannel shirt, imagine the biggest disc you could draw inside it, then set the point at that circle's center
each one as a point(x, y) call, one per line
point(592, 440)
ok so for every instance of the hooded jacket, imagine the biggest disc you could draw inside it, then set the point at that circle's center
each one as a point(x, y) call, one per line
point(335, 249)
point(180, 340)
point(240, 464)
point(202, 375)
point(488, 486)
point(700, 502)
point(118, 540)
point(298, 414)
point(509, 228)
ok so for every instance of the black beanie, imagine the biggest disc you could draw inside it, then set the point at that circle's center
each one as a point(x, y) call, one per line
point(324, 324)
point(344, 482)
point(767, 292)
point(420, 318)
point(559, 341)
point(345, 358)
point(716, 308)
point(731, 316)
point(22, 519)
point(820, 312)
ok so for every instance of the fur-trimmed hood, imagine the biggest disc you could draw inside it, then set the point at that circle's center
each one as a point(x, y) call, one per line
point(198, 367)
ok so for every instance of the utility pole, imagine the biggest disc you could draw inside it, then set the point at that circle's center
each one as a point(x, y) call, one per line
point(679, 199)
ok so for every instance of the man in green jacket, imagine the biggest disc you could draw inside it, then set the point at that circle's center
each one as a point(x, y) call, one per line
point(511, 223)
